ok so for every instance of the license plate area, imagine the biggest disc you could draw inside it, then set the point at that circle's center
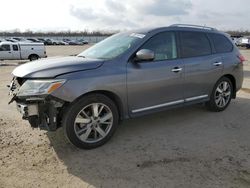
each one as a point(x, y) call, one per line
point(27, 109)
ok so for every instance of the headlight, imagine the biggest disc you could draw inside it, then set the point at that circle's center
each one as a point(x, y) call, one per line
point(39, 87)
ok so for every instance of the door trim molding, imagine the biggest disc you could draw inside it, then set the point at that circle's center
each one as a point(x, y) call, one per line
point(158, 106)
point(195, 98)
point(169, 103)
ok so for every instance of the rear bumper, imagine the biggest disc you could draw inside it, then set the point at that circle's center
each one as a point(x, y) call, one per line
point(239, 78)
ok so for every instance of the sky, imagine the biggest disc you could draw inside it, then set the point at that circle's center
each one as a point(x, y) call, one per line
point(109, 15)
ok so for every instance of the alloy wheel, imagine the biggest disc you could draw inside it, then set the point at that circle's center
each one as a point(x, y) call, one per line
point(93, 122)
point(222, 94)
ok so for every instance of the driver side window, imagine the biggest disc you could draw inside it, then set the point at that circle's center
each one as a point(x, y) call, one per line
point(163, 45)
point(5, 47)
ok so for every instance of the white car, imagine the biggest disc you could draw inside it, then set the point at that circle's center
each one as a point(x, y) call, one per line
point(244, 41)
point(21, 50)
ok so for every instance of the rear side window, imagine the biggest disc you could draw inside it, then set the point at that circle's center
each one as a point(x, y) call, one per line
point(5, 47)
point(15, 47)
point(163, 45)
point(221, 43)
point(194, 44)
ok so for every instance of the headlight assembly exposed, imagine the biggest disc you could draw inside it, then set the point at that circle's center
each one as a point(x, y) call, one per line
point(39, 87)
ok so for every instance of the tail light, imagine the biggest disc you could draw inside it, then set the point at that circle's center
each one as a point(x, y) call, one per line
point(241, 58)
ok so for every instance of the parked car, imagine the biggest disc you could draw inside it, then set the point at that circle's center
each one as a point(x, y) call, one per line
point(11, 40)
point(235, 41)
point(33, 40)
point(127, 75)
point(20, 51)
point(244, 41)
point(18, 38)
point(61, 42)
point(82, 41)
point(66, 40)
point(48, 42)
point(42, 40)
point(74, 42)
point(55, 42)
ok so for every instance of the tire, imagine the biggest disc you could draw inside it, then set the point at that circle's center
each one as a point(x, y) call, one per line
point(90, 121)
point(221, 95)
point(33, 57)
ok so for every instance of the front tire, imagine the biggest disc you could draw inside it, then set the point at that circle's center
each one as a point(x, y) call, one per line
point(90, 121)
point(221, 95)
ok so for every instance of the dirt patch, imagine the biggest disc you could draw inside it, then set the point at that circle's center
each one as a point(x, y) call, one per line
point(247, 90)
point(147, 164)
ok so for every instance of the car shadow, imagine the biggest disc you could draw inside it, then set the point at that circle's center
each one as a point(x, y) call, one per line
point(129, 158)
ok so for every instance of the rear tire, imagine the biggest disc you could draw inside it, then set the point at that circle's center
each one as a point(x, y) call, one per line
point(90, 121)
point(33, 57)
point(221, 95)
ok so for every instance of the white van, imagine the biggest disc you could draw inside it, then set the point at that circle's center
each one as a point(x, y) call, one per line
point(21, 50)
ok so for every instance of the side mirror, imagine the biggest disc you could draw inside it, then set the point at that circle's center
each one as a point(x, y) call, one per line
point(145, 55)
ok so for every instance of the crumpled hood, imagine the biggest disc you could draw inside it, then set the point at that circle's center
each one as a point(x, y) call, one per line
point(51, 67)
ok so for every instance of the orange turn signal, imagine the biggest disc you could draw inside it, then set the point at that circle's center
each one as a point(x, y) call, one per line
point(54, 86)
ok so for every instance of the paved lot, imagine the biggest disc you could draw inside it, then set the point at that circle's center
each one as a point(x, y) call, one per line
point(188, 147)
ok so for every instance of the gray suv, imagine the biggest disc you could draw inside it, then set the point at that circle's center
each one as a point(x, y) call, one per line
point(127, 75)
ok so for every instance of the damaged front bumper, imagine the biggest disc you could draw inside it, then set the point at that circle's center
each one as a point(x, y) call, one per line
point(41, 111)
point(27, 109)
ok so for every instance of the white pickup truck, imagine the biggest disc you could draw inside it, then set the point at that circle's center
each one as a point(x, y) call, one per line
point(244, 41)
point(21, 50)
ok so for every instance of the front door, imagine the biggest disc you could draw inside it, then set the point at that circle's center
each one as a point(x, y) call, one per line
point(159, 83)
point(5, 52)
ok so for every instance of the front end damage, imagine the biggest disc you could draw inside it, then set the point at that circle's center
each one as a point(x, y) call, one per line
point(43, 111)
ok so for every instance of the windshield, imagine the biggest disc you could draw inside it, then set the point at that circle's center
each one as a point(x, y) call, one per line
point(112, 46)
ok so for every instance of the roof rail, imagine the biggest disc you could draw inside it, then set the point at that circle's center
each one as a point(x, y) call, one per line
point(193, 26)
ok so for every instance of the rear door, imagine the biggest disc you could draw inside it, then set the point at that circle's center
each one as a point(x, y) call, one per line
point(202, 67)
point(158, 83)
point(223, 48)
point(15, 51)
point(5, 52)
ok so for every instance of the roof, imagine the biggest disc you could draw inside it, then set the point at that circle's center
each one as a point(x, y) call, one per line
point(177, 27)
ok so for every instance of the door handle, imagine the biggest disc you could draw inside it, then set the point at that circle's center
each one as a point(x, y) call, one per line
point(176, 69)
point(9, 52)
point(217, 63)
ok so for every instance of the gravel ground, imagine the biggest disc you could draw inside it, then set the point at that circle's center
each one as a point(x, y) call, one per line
point(188, 147)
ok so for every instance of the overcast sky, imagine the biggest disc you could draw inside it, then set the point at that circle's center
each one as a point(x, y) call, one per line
point(55, 15)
